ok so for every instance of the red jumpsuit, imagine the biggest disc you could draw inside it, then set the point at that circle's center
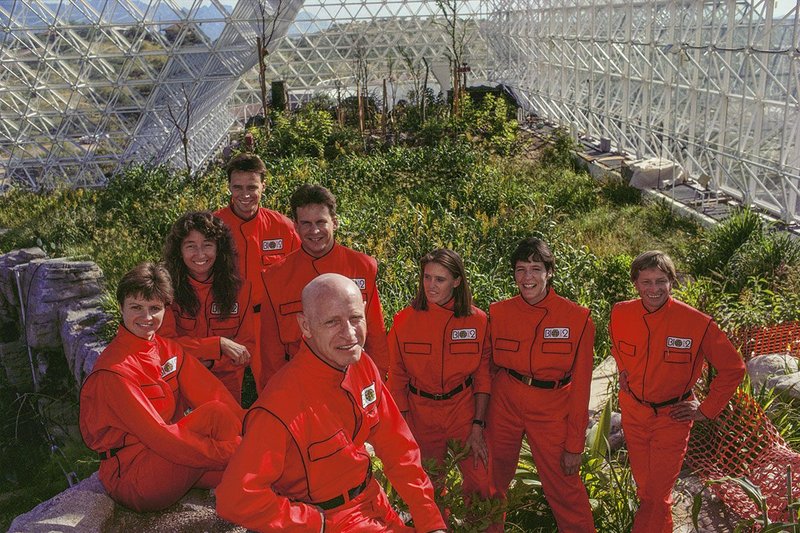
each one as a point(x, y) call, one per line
point(280, 333)
point(551, 342)
point(199, 334)
point(436, 353)
point(260, 242)
point(662, 353)
point(127, 414)
point(304, 448)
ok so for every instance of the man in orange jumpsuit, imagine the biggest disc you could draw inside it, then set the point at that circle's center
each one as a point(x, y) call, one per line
point(262, 237)
point(200, 334)
point(150, 455)
point(303, 465)
point(543, 347)
point(314, 213)
point(660, 345)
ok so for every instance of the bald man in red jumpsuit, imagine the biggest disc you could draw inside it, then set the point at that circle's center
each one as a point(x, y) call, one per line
point(303, 465)
point(150, 456)
point(660, 345)
point(314, 211)
point(200, 334)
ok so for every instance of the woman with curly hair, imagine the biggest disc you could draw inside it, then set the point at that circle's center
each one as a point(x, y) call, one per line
point(211, 315)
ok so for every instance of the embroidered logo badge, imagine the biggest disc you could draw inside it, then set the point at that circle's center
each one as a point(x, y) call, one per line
point(368, 395)
point(361, 282)
point(556, 333)
point(464, 334)
point(170, 366)
point(678, 342)
point(217, 309)
point(272, 245)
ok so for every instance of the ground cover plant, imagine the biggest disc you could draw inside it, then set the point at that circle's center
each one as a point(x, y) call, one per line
point(468, 183)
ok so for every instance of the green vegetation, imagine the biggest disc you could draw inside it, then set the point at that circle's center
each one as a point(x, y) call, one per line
point(463, 182)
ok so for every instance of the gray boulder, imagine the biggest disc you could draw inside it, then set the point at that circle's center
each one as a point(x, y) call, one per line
point(789, 384)
point(49, 286)
point(85, 507)
point(763, 367)
point(80, 326)
point(9, 301)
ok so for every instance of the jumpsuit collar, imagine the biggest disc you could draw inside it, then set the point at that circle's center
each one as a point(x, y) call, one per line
point(544, 302)
point(448, 306)
point(316, 368)
point(663, 309)
point(330, 253)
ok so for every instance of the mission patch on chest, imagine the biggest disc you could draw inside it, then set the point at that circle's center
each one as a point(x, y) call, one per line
point(556, 333)
point(272, 244)
point(679, 342)
point(216, 309)
point(169, 366)
point(464, 334)
point(368, 395)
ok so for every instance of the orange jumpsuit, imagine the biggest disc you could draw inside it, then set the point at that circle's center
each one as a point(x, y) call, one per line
point(280, 333)
point(434, 353)
point(260, 242)
point(662, 353)
point(127, 414)
point(544, 354)
point(199, 334)
point(303, 455)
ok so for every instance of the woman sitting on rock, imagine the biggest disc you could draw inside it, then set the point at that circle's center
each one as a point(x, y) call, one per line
point(211, 314)
point(150, 455)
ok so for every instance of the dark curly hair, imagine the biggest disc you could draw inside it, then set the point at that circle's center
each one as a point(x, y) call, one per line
point(226, 281)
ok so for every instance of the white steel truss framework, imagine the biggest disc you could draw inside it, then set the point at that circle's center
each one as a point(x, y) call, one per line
point(713, 85)
point(86, 85)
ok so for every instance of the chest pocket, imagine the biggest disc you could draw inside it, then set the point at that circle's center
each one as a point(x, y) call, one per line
point(557, 348)
point(627, 349)
point(224, 327)
point(326, 448)
point(675, 356)
point(185, 323)
point(464, 348)
point(291, 308)
point(506, 345)
point(417, 348)
point(270, 258)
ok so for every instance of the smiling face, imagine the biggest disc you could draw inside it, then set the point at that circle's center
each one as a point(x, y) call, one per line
point(246, 189)
point(141, 316)
point(654, 288)
point(439, 283)
point(315, 226)
point(199, 253)
point(531, 278)
point(334, 325)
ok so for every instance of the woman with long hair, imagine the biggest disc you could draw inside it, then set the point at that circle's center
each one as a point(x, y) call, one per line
point(439, 350)
point(211, 315)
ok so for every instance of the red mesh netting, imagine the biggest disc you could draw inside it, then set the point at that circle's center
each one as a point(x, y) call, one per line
point(743, 442)
point(783, 338)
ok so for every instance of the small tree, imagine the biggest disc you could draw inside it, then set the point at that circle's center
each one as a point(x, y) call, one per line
point(180, 116)
point(267, 20)
point(457, 41)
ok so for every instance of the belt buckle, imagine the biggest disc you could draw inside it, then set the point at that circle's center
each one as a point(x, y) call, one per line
point(557, 384)
point(439, 397)
point(528, 380)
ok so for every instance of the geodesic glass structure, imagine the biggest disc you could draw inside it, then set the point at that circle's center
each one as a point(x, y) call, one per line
point(88, 85)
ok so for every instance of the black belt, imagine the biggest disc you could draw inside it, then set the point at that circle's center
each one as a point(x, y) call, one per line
point(444, 396)
point(109, 454)
point(352, 493)
point(542, 384)
point(659, 405)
